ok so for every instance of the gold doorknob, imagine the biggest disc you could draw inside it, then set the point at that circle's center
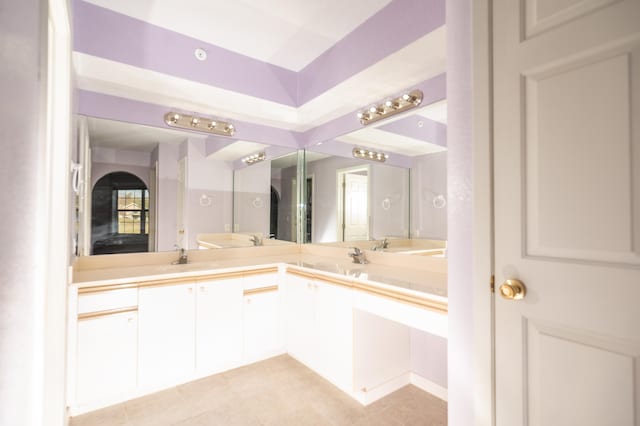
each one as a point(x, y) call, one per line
point(513, 290)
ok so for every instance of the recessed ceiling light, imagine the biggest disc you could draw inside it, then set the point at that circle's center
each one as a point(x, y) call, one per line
point(201, 54)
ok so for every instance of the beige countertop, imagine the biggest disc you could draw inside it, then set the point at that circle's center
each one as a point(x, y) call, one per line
point(420, 281)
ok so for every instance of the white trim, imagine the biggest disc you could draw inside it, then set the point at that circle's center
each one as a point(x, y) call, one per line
point(372, 395)
point(428, 386)
point(483, 340)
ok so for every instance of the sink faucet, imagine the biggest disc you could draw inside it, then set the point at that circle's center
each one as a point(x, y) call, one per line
point(358, 256)
point(182, 260)
point(257, 241)
point(382, 245)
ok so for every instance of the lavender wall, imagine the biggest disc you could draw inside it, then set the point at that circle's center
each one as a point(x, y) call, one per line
point(428, 178)
point(23, 38)
point(252, 198)
point(461, 376)
point(429, 356)
point(214, 179)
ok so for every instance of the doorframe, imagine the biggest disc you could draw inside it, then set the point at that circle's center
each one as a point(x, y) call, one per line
point(483, 207)
point(340, 197)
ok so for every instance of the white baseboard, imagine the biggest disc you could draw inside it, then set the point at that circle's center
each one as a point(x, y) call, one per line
point(367, 396)
point(428, 386)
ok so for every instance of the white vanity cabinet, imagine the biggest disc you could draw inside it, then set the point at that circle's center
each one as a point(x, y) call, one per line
point(219, 324)
point(319, 326)
point(106, 350)
point(106, 356)
point(262, 315)
point(166, 338)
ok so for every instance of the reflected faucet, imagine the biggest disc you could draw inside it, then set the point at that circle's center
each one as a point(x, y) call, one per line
point(382, 245)
point(257, 241)
point(358, 256)
point(183, 259)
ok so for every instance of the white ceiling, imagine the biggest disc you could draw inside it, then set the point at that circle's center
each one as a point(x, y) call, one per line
point(287, 33)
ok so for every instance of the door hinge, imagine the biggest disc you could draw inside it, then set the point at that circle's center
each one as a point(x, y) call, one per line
point(492, 284)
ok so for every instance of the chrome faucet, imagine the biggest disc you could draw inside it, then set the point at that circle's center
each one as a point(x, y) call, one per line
point(358, 256)
point(382, 245)
point(257, 241)
point(183, 259)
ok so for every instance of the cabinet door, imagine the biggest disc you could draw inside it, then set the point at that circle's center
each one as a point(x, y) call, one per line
point(300, 319)
point(334, 310)
point(218, 325)
point(166, 334)
point(106, 356)
point(263, 326)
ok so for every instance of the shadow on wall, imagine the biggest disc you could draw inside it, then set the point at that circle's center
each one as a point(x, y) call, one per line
point(119, 214)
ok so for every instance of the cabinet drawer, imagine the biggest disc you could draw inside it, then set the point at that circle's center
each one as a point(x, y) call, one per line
point(107, 300)
point(261, 280)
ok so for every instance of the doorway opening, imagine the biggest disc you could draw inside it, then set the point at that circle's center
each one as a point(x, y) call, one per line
point(119, 214)
point(353, 203)
point(273, 213)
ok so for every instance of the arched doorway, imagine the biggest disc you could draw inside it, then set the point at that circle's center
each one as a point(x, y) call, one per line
point(119, 214)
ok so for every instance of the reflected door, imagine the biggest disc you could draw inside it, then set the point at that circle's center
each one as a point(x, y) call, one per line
point(356, 207)
point(567, 212)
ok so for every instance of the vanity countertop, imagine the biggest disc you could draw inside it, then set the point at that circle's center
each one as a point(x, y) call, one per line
point(419, 282)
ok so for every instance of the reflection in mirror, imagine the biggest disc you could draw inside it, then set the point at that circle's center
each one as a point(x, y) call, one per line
point(402, 199)
point(265, 196)
point(155, 189)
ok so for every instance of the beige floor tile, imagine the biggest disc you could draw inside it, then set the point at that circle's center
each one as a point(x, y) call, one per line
point(115, 416)
point(279, 391)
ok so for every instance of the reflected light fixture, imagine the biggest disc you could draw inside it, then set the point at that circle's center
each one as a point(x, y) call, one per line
point(255, 158)
point(391, 107)
point(200, 124)
point(365, 154)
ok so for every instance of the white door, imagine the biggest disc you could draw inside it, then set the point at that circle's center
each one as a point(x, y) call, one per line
point(567, 211)
point(166, 334)
point(356, 207)
point(107, 356)
point(218, 325)
point(263, 327)
point(300, 319)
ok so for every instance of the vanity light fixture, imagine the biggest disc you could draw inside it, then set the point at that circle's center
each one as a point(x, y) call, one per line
point(391, 107)
point(255, 158)
point(370, 155)
point(200, 124)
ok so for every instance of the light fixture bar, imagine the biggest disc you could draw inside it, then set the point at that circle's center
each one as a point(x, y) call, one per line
point(255, 158)
point(199, 124)
point(366, 154)
point(391, 107)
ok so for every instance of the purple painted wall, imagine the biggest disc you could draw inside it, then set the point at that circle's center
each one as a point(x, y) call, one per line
point(395, 26)
point(144, 45)
point(460, 229)
point(429, 356)
point(428, 179)
point(23, 42)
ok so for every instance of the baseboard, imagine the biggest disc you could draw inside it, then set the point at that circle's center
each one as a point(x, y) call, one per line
point(367, 396)
point(428, 386)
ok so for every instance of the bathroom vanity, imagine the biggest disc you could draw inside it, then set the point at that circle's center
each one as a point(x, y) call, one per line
point(139, 324)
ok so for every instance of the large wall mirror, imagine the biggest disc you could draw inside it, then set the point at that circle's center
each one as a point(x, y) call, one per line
point(401, 200)
point(154, 189)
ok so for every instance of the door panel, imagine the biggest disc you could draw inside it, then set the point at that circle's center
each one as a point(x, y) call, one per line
point(567, 211)
point(356, 207)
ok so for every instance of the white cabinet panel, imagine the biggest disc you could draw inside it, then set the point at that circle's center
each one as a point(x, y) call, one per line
point(166, 334)
point(263, 326)
point(106, 356)
point(218, 325)
point(300, 319)
point(334, 334)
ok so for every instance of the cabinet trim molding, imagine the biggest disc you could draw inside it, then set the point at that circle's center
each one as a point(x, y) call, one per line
point(252, 291)
point(105, 288)
point(98, 314)
point(420, 302)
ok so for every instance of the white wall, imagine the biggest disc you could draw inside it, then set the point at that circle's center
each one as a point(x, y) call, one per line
point(429, 356)
point(428, 179)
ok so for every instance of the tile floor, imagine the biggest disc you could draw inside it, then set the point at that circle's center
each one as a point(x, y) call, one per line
point(278, 391)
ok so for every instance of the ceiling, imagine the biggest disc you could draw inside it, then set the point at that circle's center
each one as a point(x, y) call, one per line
point(296, 37)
